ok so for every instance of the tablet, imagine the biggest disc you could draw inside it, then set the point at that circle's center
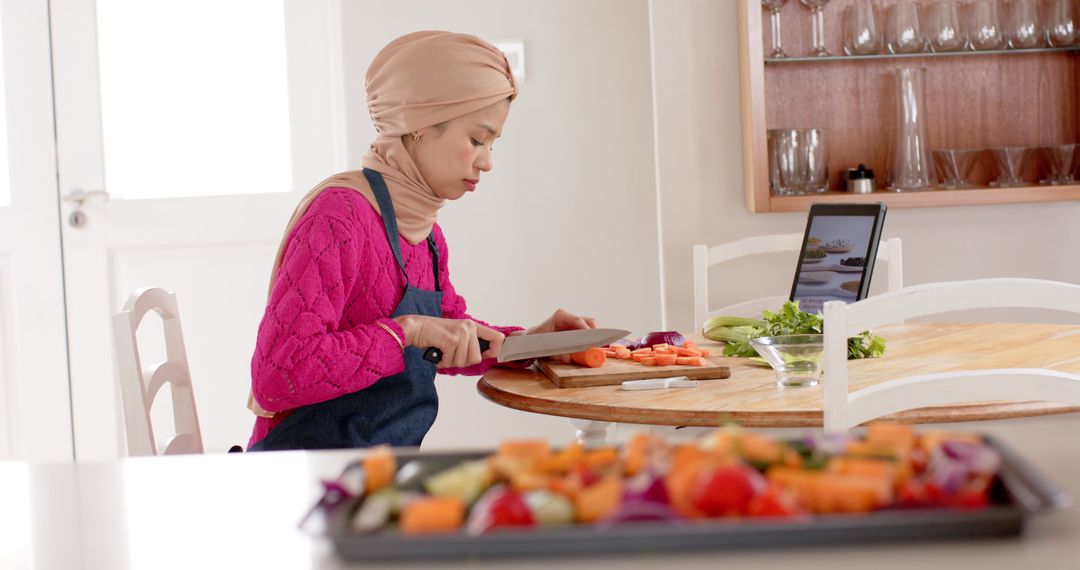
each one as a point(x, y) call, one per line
point(837, 255)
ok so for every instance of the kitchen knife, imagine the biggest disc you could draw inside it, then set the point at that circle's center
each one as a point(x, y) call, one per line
point(543, 344)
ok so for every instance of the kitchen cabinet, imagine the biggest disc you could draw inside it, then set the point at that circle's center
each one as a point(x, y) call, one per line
point(972, 100)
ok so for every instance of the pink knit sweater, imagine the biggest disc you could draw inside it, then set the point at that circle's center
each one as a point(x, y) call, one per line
point(318, 339)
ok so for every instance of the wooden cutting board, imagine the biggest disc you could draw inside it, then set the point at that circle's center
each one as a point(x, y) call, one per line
point(618, 371)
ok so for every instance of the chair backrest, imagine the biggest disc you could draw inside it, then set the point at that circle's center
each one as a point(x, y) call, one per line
point(889, 251)
point(140, 386)
point(842, 320)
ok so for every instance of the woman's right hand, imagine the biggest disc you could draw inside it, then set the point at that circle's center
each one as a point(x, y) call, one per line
point(458, 339)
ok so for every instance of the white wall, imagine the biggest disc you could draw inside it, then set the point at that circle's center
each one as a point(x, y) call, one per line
point(700, 170)
point(567, 216)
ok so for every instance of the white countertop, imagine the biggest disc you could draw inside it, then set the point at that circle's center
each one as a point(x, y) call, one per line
point(241, 511)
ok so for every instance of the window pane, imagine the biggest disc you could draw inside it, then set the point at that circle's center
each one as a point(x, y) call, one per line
point(5, 179)
point(194, 97)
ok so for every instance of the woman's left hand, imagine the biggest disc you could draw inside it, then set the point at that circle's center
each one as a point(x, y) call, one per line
point(561, 320)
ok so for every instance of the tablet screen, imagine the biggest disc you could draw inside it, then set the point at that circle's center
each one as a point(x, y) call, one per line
point(837, 256)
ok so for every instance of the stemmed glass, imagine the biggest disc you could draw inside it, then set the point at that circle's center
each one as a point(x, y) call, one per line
point(774, 7)
point(1060, 23)
point(817, 7)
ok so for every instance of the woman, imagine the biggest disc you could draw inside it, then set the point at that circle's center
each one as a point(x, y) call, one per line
point(360, 286)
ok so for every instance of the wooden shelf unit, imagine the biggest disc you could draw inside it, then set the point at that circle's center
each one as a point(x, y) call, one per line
point(973, 100)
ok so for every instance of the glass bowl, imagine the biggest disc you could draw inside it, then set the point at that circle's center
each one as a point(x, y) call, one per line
point(796, 358)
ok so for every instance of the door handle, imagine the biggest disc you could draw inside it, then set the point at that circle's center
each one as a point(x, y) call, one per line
point(79, 196)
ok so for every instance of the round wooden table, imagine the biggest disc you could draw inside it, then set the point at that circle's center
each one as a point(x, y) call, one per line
point(752, 398)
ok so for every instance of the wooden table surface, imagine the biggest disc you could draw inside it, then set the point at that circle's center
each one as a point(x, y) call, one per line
point(752, 398)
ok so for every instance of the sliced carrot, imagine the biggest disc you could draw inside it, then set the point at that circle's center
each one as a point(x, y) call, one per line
point(684, 361)
point(665, 350)
point(609, 353)
point(704, 351)
point(660, 346)
point(591, 358)
point(616, 346)
point(665, 360)
point(623, 354)
point(640, 357)
point(598, 500)
point(647, 350)
point(433, 515)
point(690, 344)
point(531, 449)
point(687, 352)
point(380, 465)
point(648, 361)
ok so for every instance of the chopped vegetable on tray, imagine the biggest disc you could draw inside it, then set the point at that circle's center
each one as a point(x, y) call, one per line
point(730, 474)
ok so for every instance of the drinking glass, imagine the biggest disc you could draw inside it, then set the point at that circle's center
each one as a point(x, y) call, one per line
point(861, 35)
point(774, 7)
point(1062, 162)
point(1022, 29)
point(984, 26)
point(954, 166)
point(1060, 23)
point(1010, 162)
point(943, 27)
point(789, 169)
point(903, 34)
point(817, 8)
point(815, 154)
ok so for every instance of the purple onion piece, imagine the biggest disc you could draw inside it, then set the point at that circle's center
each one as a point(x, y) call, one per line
point(827, 443)
point(977, 458)
point(630, 511)
point(673, 338)
point(646, 488)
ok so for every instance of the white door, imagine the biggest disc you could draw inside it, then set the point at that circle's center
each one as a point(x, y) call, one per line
point(189, 130)
point(35, 418)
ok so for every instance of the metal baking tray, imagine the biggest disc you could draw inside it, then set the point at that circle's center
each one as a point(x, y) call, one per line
point(1020, 492)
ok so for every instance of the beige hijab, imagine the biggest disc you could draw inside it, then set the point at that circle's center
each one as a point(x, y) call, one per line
point(416, 81)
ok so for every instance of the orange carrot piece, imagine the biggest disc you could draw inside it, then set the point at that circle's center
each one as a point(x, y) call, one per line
point(687, 352)
point(380, 465)
point(639, 357)
point(665, 360)
point(609, 353)
point(591, 358)
point(433, 516)
point(616, 346)
point(647, 350)
point(623, 354)
point(704, 351)
point(684, 361)
point(698, 361)
point(664, 350)
point(690, 344)
point(648, 361)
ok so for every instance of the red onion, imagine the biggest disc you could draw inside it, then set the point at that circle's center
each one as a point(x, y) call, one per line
point(630, 511)
point(977, 458)
point(664, 337)
point(827, 443)
point(646, 488)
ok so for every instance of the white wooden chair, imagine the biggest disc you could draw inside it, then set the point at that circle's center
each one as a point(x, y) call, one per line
point(705, 257)
point(140, 386)
point(845, 410)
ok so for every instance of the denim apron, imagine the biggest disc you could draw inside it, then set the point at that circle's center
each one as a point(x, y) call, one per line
point(397, 410)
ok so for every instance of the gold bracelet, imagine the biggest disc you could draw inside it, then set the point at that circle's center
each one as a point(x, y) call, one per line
point(392, 333)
